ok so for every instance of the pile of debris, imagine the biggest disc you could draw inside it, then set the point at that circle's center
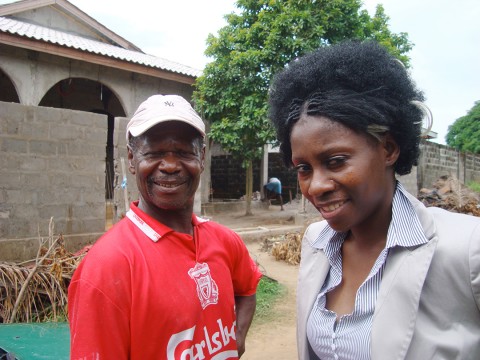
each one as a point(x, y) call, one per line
point(286, 247)
point(450, 194)
point(36, 290)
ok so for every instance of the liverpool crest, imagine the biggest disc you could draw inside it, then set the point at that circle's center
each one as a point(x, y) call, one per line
point(207, 289)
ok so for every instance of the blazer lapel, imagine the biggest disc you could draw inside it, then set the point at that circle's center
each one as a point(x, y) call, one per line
point(312, 278)
point(399, 295)
point(313, 271)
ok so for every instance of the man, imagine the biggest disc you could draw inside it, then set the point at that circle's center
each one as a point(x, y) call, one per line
point(163, 283)
point(273, 189)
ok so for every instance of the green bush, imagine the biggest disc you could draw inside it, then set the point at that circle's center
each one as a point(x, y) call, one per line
point(268, 291)
point(475, 186)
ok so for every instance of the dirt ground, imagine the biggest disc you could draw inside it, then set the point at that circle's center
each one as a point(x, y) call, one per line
point(273, 338)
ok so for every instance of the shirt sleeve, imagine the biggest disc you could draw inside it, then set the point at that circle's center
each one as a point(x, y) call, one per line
point(246, 273)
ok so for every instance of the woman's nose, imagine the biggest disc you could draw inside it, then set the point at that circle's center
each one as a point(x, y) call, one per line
point(320, 184)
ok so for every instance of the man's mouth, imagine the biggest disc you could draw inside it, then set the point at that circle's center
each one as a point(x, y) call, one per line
point(169, 185)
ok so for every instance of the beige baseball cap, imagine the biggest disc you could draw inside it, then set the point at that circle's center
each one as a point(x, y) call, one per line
point(160, 108)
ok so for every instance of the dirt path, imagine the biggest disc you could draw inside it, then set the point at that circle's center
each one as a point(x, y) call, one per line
point(275, 338)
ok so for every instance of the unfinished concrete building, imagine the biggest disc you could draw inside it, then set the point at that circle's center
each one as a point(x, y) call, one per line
point(68, 86)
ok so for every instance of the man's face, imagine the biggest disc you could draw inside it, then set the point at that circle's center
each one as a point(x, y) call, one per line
point(167, 162)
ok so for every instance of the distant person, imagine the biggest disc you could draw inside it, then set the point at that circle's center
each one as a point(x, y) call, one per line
point(163, 283)
point(382, 276)
point(273, 189)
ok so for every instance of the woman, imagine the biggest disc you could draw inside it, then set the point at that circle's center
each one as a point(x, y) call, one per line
point(382, 277)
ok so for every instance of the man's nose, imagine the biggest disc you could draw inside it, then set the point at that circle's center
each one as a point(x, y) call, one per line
point(169, 163)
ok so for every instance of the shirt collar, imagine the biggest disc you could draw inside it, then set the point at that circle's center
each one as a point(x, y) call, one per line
point(151, 227)
point(405, 229)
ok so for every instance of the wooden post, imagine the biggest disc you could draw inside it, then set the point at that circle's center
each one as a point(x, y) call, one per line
point(124, 184)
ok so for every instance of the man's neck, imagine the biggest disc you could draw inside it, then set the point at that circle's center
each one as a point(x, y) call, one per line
point(179, 220)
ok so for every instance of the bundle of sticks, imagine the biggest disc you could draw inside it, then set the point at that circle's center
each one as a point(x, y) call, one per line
point(36, 290)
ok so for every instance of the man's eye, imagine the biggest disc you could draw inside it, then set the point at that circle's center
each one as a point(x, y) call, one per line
point(153, 154)
point(186, 154)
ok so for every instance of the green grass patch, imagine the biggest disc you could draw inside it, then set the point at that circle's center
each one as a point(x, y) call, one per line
point(475, 186)
point(268, 291)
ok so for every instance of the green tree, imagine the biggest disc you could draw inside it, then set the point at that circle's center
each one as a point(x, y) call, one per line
point(464, 133)
point(259, 40)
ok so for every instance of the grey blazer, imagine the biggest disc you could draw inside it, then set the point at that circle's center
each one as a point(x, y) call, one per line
point(428, 305)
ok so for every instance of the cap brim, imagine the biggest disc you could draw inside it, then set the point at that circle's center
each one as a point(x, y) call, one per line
point(145, 126)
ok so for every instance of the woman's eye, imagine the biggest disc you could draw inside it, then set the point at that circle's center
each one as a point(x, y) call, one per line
point(301, 168)
point(336, 161)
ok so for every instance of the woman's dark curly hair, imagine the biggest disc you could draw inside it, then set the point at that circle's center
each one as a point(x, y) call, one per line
point(358, 84)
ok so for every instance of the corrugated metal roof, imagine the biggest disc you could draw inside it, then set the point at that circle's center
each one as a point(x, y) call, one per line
point(41, 33)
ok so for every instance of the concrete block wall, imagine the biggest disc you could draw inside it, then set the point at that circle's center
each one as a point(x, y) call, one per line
point(472, 167)
point(409, 181)
point(52, 165)
point(228, 176)
point(437, 160)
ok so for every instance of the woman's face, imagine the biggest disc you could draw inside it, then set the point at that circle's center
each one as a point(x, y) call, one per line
point(347, 176)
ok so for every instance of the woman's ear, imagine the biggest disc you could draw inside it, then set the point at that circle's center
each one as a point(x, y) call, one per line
point(392, 150)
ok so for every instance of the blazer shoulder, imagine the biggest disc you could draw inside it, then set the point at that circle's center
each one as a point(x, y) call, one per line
point(459, 244)
point(313, 230)
point(455, 224)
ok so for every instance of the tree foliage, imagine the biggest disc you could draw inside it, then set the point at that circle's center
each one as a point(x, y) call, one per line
point(464, 133)
point(258, 41)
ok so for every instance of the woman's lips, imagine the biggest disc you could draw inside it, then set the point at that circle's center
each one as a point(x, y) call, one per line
point(331, 207)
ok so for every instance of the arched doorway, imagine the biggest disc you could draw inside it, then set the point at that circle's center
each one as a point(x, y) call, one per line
point(91, 96)
point(8, 93)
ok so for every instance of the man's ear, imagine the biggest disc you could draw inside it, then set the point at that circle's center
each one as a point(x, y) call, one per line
point(131, 165)
point(392, 150)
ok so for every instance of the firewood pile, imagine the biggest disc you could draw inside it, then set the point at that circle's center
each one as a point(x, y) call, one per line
point(36, 290)
point(450, 194)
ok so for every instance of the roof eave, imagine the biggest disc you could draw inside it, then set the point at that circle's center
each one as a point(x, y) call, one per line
point(21, 6)
point(71, 53)
point(72, 10)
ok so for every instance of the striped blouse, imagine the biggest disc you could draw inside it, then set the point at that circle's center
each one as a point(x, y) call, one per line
point(349, 337)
